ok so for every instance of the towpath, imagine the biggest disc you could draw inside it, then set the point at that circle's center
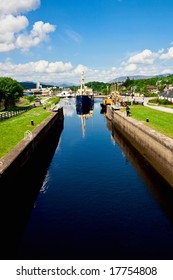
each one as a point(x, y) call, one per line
point(155, 107)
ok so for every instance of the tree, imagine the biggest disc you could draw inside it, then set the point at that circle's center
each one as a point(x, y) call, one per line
point(99, 87)
point(128, 83)
point(10, 91)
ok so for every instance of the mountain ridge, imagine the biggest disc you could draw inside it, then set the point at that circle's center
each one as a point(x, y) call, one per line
point(138, 77)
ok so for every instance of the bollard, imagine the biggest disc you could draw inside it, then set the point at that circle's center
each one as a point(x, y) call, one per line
point(147, 120)
point(32, 122)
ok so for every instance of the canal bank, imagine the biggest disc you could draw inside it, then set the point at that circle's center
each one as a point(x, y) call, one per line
point(12, 163)
point(157, 149)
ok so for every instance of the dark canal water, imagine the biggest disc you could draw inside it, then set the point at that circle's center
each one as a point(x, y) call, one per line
point(98, 199)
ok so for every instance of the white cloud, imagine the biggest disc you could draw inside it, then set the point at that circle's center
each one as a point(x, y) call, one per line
point(79, 69)
point(38, 34)
point(9, 26)
point(130, 67)
point(59, 71)
point(59, 66)
point(167, 71)
point(16, 7)
point(168, 55)
point(32, 68)
point(10, 23)
point(41, 29)
point(147, 63)
point(13, 26)
point(144, 57)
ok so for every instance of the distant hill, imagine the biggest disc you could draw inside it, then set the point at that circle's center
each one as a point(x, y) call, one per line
point(137, 77)
point(28, 85)
point(64, 84)
point(31, 85)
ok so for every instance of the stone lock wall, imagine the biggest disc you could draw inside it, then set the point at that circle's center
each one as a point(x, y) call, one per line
point(156, 148)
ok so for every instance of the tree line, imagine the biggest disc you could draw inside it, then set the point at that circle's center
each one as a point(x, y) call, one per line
point(141, 85)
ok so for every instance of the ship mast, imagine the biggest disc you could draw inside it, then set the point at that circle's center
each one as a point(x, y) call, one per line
point(82, 86)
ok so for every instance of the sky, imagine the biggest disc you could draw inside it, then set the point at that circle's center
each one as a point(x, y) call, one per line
point(55, 40)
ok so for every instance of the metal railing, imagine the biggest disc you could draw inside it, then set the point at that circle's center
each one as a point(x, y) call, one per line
point(7, 115)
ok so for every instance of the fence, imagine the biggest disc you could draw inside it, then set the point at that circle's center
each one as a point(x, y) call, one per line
point(10, 114)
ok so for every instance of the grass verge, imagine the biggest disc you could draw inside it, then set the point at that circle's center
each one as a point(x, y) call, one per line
point(159, 121)
point(12, 130)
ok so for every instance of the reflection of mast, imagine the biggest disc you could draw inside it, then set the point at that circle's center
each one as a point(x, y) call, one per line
point(83, 121)
point(83, 126)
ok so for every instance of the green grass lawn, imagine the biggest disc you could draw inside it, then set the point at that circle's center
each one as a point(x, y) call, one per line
point(160, 121)
point(12, 130)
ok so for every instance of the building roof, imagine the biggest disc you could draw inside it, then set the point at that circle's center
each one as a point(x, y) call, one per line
point(151, 87)
point(166, 93)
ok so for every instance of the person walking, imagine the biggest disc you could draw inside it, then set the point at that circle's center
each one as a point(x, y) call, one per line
point(127, 111)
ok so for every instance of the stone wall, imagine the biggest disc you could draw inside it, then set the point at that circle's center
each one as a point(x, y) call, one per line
point(156, 148)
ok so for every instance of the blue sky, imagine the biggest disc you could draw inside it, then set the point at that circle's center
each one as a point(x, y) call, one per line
point(54, 41)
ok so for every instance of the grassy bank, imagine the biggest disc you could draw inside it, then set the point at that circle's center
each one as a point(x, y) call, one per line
point(160, 121)
point(12, 130)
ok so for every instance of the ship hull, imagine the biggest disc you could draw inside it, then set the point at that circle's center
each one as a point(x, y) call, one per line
point(84, 104)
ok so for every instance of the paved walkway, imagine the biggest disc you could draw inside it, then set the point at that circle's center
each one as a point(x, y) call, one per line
point(163, 109)
point(155, 107)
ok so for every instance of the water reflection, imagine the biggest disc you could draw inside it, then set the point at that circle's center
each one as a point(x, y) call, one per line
point(84, 111)
point(68, 106)
point(160, 189)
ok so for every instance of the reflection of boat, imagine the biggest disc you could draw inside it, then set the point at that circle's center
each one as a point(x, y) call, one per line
point(84, 96)
point(83, 120)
